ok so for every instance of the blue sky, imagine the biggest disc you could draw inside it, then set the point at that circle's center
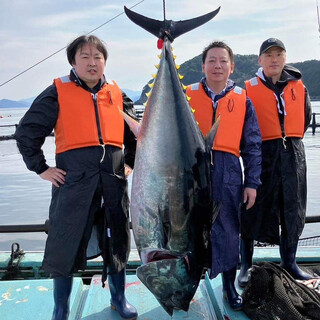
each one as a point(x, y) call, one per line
point(32, 30)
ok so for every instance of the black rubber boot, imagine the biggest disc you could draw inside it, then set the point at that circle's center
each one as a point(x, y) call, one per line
point(246, 253)
point(229, 290)
point(288, 260)
point(62, 287)
point(118, 300)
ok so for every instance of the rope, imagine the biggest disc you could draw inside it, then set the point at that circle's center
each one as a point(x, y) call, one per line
point(12, 271)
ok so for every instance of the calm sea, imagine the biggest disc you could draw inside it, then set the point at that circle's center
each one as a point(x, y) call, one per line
point(25, 198)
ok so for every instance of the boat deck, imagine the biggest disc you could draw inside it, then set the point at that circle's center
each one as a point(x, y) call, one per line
point(33, 298)
point(30, 299)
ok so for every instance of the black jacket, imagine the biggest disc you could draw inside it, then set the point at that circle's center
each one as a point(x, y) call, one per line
point(41, 118)
point(282, 197)
point(81, 224)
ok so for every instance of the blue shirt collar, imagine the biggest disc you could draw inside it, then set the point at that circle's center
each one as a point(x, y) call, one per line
point(215, 97)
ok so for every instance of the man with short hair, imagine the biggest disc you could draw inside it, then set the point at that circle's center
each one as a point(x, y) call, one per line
point(283, 109)
point(237, 135)
point(89, 205)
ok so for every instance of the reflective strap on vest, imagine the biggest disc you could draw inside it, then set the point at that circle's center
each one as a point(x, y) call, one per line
point(110, 81)
point(254, 81)
point(237, 90)
point(195, 86)
point(65, 79)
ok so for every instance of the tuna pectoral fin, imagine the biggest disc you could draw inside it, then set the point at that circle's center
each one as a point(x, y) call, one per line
point(170, 282)
point(133, 124)
point(211, 134)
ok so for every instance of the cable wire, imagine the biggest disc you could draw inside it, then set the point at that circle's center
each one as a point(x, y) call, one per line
point(51, 55)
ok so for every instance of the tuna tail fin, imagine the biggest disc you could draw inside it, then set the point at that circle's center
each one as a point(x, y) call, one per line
point(168, 28)
point(209, 138)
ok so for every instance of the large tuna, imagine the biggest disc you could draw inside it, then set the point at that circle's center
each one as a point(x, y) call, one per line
point(171, 204)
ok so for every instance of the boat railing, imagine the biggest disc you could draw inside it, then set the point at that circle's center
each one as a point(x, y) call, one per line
point(24, 228)
point(45, 226)
point(13, 267)
point(9, 136)
point(314, 123)
point(139, 112)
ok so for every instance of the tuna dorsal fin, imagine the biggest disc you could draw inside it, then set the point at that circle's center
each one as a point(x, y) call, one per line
point(211, 134)
point(171, 29)
point(133, 124)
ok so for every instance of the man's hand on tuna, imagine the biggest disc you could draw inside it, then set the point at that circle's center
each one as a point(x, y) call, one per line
point(127, 170)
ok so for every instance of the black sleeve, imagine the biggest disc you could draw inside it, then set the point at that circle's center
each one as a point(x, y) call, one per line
point(308, 111)
point(35, 126)
point(130, 141)
point(251, 147)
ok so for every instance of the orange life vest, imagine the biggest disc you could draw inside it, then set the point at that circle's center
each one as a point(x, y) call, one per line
point(232, 110)
point(265, 103)
point(76, 125)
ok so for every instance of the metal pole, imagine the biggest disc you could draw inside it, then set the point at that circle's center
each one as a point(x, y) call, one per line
point(312, 219)
point(314, 124)
point(25, 228)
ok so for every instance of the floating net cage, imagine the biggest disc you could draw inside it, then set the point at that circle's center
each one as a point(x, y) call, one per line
point(309, 241)
point(303, 242)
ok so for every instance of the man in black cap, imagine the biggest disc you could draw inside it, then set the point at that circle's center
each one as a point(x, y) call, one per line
point(283, 109)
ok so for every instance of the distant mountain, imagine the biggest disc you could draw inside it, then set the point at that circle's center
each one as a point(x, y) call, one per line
point(133, 95)
point(246, 67)
point(28, 101)
point(25, 103)
point(5, 103)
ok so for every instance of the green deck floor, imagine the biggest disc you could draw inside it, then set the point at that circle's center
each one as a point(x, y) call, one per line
point(33, 299)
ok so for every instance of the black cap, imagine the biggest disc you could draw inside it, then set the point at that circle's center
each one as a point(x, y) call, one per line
point(269, 43)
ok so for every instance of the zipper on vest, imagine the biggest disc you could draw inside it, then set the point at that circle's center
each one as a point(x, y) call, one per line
point(214, 107)
point(95, 102)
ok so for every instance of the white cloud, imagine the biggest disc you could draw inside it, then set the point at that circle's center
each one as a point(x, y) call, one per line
point(31, 31)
